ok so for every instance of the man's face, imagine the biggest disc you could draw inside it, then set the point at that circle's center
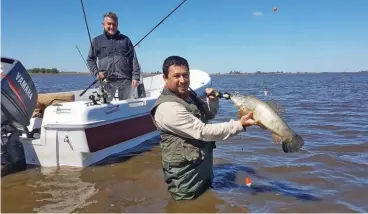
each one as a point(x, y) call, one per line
point(110, 25)
point(178, 79)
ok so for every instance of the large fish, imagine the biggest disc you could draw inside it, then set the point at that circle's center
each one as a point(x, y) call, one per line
point(267, 116)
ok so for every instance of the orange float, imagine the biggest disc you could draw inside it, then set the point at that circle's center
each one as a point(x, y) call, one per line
point(248, 181)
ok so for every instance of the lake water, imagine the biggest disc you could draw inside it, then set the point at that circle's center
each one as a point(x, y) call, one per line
point(330, 111)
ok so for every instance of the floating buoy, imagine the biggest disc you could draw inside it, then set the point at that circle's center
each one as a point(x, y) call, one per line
point(275, 9)
point(248, 181)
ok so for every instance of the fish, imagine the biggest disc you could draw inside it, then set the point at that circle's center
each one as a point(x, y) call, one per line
point(268, 116)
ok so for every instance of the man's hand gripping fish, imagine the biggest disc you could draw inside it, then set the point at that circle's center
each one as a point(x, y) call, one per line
point(266, 115)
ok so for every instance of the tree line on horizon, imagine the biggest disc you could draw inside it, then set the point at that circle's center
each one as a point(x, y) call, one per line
point(56, 71)
point(257, 72)
point(43, 71)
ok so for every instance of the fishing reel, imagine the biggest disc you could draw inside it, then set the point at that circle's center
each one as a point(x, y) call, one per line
point(102, 95)
point(224, 95)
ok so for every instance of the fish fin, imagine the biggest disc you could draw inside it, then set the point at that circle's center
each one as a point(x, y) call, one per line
point(294, 145)
point(277, 139)
point(242, 111)
point(276, 106)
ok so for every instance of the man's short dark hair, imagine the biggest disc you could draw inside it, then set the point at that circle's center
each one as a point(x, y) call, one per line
point(111, 15)
point(173, 60)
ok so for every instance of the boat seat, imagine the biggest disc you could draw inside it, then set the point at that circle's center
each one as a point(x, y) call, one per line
point(47, 99)
point(43, 101)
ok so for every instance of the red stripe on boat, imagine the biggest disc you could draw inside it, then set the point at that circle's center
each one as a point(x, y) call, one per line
point(101, 137)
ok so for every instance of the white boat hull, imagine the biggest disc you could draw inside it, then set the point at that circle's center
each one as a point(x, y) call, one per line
point(64, 155)
point(80, 134)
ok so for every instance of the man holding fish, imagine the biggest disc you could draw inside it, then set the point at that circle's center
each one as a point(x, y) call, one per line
point(187, 140)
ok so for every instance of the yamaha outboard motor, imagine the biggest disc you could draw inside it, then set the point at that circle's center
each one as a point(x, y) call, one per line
point(18, 101)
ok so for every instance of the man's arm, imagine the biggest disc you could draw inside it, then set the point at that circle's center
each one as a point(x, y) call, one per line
point(91, 59)
point(135, 64)
point(173, 117)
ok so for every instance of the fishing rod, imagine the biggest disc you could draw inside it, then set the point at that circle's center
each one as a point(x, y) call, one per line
point(97, 79)
point(225, 95)
point(108, 71)
point(83, 59)
point(103, 95)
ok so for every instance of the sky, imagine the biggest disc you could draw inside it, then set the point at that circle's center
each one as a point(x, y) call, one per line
point(213, 35)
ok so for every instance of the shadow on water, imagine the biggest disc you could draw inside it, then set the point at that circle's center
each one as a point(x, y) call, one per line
point(225, 179)
point(146, 146)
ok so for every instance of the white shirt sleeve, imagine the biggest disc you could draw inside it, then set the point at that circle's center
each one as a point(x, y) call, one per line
point(173, 117)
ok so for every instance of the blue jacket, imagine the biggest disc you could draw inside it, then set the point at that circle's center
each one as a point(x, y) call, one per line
point(110, 49)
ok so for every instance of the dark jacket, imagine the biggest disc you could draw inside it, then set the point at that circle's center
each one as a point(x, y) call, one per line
point(110, 49)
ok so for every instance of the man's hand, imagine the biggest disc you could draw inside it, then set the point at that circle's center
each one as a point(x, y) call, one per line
point(135, 83)
point(101, 75)
point(247, 120)
point(208, 93)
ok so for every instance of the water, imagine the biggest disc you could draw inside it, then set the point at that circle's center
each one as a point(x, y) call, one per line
point(329, 175)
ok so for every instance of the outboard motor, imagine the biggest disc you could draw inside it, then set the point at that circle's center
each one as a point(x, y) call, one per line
point(18, 101)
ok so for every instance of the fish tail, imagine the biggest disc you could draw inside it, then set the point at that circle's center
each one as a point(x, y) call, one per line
point(294, 145)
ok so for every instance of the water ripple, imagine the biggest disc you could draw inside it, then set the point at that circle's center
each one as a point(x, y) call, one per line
point(329, 175)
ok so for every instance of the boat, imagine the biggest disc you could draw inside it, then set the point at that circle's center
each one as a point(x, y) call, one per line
point(71, 130)
point(75, 128)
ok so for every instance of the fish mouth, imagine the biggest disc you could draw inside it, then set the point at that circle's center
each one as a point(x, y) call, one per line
point(237, 105)
point(236, 102)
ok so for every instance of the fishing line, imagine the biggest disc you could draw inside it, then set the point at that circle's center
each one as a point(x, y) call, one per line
point(98, 78)
point(83, 59)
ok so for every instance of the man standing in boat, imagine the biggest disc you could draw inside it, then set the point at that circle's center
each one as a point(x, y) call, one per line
point(187, 141)
point(117, 64)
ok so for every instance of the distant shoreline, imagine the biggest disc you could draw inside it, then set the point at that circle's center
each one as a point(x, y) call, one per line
point(79, 73)
point(214, 74)
point(60, 73)
point(243, 74)
point(283, 73)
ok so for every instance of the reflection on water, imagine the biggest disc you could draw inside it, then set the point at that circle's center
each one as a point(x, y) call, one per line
point(48, 190)
point(328, 175)
point(65, 191)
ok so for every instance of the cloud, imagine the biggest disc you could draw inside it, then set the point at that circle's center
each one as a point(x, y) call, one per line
point(257, 13)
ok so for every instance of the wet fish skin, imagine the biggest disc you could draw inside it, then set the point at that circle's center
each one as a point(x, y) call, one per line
point(268, 117)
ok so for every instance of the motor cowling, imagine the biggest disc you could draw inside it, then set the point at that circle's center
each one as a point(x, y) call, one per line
point(18, 94)
point(18, 101)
